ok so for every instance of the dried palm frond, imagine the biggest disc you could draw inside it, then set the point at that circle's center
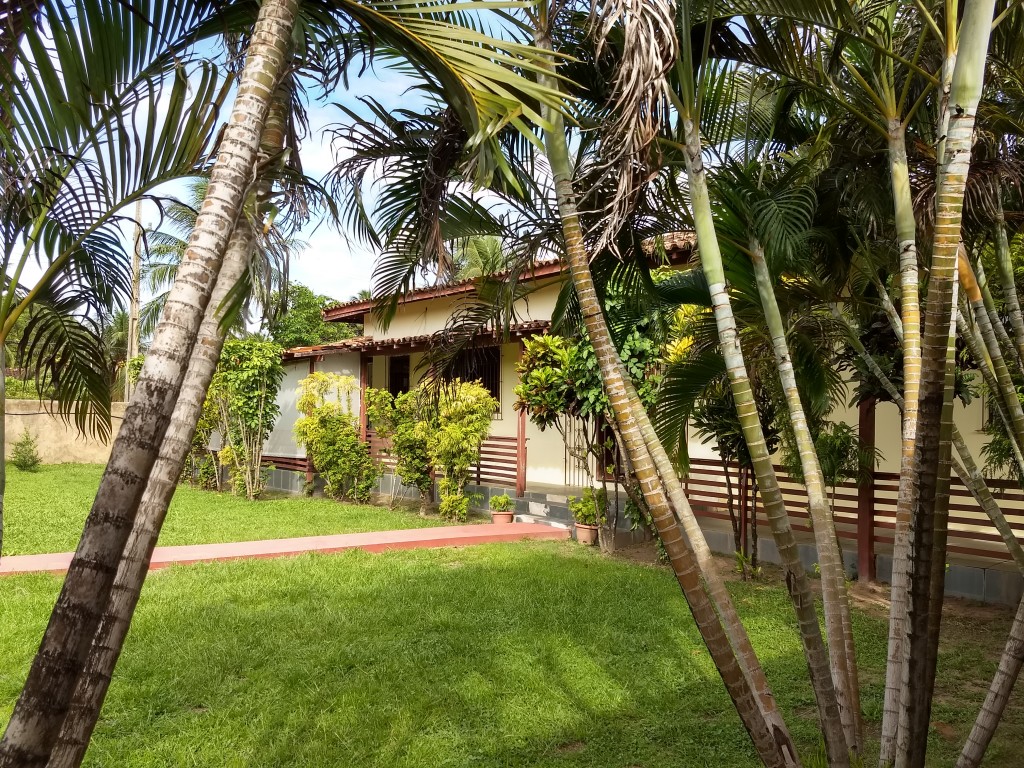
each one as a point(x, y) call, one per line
point(648, 50)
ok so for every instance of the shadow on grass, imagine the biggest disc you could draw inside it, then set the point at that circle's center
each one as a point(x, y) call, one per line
point(521, 655)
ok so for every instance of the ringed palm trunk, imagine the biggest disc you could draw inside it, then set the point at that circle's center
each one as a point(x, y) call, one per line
point(933, 439)
point(3, 437)
point(906, 232)
point(1005, 343)
point(131, 573)
point(797, 582)
point(1007, 277)
point(106, 647)
point(41, 709)
point(772, 742)
point(838, 625)
point(1010, 662)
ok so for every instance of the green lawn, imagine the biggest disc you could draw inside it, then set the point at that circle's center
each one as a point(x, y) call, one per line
point(530, 654)
point(44, 512)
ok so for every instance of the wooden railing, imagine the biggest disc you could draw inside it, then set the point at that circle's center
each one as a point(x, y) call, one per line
point(502, 461)
point(972, 537)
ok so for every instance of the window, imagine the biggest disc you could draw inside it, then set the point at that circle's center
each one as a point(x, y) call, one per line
point(398, 375)
point(482, 364)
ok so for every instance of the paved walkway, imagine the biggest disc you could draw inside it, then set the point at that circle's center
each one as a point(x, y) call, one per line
point(377, 541)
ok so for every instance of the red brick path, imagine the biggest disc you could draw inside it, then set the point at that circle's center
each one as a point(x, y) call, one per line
point(377, 541)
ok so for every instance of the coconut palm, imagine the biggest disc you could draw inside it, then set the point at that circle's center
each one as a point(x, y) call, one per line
point(486, 102)
point(265, 277)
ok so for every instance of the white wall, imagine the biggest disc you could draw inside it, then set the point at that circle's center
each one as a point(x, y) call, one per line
point(281, 441)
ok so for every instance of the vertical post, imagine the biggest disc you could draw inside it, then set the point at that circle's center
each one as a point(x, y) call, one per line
point(521, 454)
point(364, 375)
point(744, 483)
point(309, 461)
point(866, 494)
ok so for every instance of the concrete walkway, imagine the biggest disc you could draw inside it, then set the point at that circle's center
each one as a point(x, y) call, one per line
point(377, 541)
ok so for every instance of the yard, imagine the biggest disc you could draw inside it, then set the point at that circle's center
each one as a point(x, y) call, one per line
point(526, 654)
point(44, 512)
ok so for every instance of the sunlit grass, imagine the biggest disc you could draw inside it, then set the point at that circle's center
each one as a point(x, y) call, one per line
point(44, 512)
point(528, 654)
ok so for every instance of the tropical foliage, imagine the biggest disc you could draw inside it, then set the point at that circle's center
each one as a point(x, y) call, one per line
point(328, 429)
point(243, 395)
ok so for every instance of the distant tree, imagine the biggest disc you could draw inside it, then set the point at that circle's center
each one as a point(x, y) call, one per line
point(303, 323)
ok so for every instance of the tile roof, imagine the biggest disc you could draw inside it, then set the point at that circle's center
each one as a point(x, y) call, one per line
point(405, 343)
point(676, 245)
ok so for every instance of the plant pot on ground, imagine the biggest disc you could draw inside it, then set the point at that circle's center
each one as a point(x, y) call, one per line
point(503, 508)
point(588, 512)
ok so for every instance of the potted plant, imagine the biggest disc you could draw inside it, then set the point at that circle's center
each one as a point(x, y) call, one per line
point(502, 508)
point(588, 514)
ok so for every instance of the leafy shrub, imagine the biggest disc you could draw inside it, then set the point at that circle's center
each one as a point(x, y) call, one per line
point(329, 433)
point(503, 503)
point(591, 508)
point(464, 414)
point(244, 398)
point(25, 452)
point(406, 421)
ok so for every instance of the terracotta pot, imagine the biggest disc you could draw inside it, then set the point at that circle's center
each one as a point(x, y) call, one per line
point(502, 517)
point(586, 534)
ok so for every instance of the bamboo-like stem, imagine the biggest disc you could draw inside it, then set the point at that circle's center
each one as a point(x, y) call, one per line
point(774, 749)
point(1006, 276)
point(838, 627)
point(935, 419)
point(797, 582)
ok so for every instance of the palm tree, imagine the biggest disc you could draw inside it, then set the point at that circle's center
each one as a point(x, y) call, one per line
point(69, 172)
point(486, 102)
point(266, 274)
point(43, 704)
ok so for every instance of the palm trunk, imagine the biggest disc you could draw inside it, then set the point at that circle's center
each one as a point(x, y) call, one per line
point(998, 695)
point(933, 439)
point(1005, 344)
point(838, 625)
point(106, 647)
point(977, 348)
point(906, 233)
point(41, 709)
point(772, 743)
point(1007, 277)
point(797, 582)
point(1010, 663)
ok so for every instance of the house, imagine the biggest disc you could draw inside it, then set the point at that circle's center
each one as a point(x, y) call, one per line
point(540, 470)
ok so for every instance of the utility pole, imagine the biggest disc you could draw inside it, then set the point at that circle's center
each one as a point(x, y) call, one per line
point(133, 309)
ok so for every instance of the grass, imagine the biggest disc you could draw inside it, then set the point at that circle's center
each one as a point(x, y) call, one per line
point(44, 512)
point(530, 654)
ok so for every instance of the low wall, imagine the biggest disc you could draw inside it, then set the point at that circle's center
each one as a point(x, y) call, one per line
point(58, 441)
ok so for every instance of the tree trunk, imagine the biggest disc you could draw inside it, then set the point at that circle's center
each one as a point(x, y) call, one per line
point(933, 438)
point(906, 233)
point(43, 704)
point(1007, 277)
point(998, 695)
point(772, 742)
point(838, 626)
point(106, 647)
point(797, 582)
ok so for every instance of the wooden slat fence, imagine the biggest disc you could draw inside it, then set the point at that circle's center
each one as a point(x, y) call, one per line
point(498, 465)
point(972, 537)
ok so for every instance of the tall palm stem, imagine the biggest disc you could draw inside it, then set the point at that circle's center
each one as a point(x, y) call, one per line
point(906, 234)
point(131, 573)
point(1006, 276)
point(797, 582)
point(935, 422)
point(838, 624)
point(773, 744)
point(41, 709)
